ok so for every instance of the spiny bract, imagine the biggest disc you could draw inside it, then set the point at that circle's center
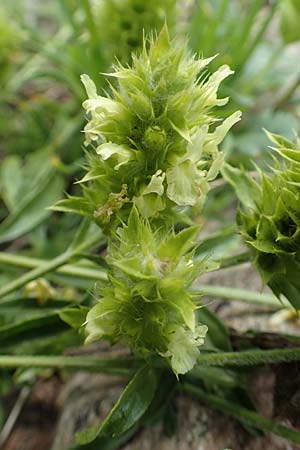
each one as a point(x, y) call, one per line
point(154, 145)
point(147, 303)
point(270, 218)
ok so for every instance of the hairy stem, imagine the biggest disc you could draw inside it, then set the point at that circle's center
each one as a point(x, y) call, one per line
point(117, 366)
point(241, 295)
point(67, 269)
point(250, 357)
point(129, 364)
point(59, 265)
point(235, 260)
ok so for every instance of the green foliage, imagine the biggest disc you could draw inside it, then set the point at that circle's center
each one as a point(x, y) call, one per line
point(128, 20)
point(9, 41)
point(235, 30)
point(244, 35)
point(27, 191)
point(269, 218)
point(289, 20)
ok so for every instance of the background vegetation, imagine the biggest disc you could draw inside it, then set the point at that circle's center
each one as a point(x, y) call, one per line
point(52, 263)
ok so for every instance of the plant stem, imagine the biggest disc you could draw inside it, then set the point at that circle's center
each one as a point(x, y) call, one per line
point(250, 357)
point(283, 100)
point(68, 14)
point(235, 260)
point(117, 366)
point(243, 414)
point(14, 414)
point(242, 295)
point(92, 28)
point(247, 52)
point(129, 364)
point(98, 274)
point(52, 265)
point(217, 18)
point(68, 269)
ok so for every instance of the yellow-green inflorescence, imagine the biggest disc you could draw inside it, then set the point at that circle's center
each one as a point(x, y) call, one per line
point(156, 136)
point(155, 140)
point(146, 303)
point(269, 218)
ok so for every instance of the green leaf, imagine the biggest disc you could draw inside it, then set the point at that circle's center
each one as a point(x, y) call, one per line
point(10, 181)
point(84, 232)
point(76, 205)
point(164, 394)
point(217, 376)
point(81, 233)
point(31, 213)
point(281, 285)
point(24, 315)
point(131, 406)
point(50, 340)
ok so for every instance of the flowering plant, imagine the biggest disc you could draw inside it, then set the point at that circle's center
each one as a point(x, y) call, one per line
point(269, 218)
point(155, 153)
point(154, 146)
point(154, 150)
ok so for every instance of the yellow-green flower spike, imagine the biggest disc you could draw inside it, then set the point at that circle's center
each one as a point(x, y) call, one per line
point(270, 218)
point(156, 136)
point(147, 303)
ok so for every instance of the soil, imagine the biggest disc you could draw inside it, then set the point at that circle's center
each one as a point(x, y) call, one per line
point(35, 426)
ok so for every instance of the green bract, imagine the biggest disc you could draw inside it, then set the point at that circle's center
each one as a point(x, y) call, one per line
point(128, 20)
point(270, 218)
point(156, 137)
point(147, 303)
